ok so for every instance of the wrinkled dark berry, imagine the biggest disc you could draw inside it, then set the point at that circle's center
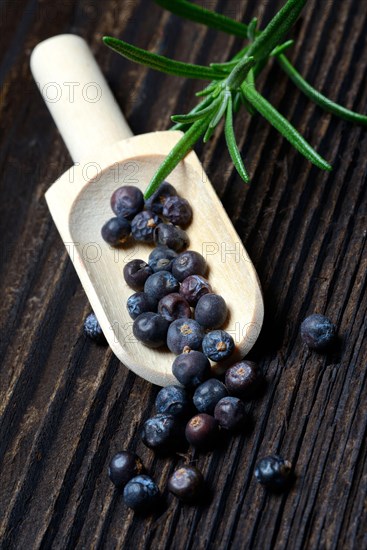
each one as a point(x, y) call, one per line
point(202, 431)
point(127, 201)
point(218, 345)
point(273, 472)
point(151, 329)
point(156, 202)
point(230, 413)
point(93, 330)
point(116, 231)
point(191, 368)
point(162, 432)
point(174, 306)
point(211, 311)
point(136, 272)
point(139, 303)
point(193, 288)
point(188, 263)
point(184, 333)
point(143, 226)
point(318, 332)
point(178, 211)
point(208, 394)
point(161, 258)
point(173, 400)
point(172, 236)
point(186, 483)
point(123, 467)
point(243, 379)
point(160, 284)
point(141, 494)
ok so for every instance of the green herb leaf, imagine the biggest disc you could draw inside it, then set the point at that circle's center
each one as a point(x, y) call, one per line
point(232, 145)
point(178, 152)
point(200, 113)
point(281, 48)
point(317, 97)
point(270, 37)
point(206, 17)
point(283, 126)
point(222, 109)
point(240, 72)
point(252, 28)
point(159, 62)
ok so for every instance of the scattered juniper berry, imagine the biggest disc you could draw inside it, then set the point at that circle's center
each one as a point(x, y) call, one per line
point(141, 494)
point(318, 332)
point(139, 303)
point(162, 432)
point(172, 236)
point(143, 226)
point(184, 333)
point(178, 211)
point(218, 345)
point(186, 483)
point(208, 394)
point(151, 329)
point(174, 306)
point(191, 368)
point(243, 379)
point(211, 311)
point(136, 272)
point(116, 231)
point(188, 263)
point(173, 400)
point(123, 467)
point(160, 284)
point(127, 201)
point(156, 202)
point(230, 413)
point(193, 288)
point(273, 472)
point(93, 330)
point(202, 431)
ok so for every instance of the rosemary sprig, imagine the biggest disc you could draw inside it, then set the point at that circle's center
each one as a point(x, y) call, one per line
point(233, 83)
point(159, 62)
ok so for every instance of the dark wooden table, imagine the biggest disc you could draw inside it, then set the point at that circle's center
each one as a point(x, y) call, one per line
point(67, 405)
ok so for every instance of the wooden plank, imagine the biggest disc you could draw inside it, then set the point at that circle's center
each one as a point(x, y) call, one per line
point(67, 406)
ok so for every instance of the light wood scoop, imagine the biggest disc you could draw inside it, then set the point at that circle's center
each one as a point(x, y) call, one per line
point(106, 156)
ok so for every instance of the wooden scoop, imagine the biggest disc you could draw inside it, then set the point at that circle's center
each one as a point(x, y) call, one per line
point(106, 156)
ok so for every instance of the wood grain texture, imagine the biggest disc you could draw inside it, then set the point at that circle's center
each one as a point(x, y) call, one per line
point(67, 406)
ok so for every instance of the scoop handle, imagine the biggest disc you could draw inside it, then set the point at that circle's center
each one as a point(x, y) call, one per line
point(77, 96)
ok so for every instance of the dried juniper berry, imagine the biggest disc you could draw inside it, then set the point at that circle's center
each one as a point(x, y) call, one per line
point(211, 311)
point(188, 263)
point(178, 211)
point(123, 467)
point(243, 379)
point(143, 226)
point(141, 494)
point(161, 258)
point(318, 332)
point(191, 368)
point(208, 394)
point(230, 413)
point(174, 306)
point(218, 345)
point(162, 432)
point(93, 330)
point(151, 329)
point(186, 483)
point(136, 272)
point(273, 472)
point(202, 431)
point(160, 284)
point(184, 334)
point(173, 400)
point(193, 288)
point(127, 201)
point(172, 236)
point(139, 303)
point(156, 202)
point(116, 231)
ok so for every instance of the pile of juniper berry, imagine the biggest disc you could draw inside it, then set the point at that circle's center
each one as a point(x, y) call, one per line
point(174, 305)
